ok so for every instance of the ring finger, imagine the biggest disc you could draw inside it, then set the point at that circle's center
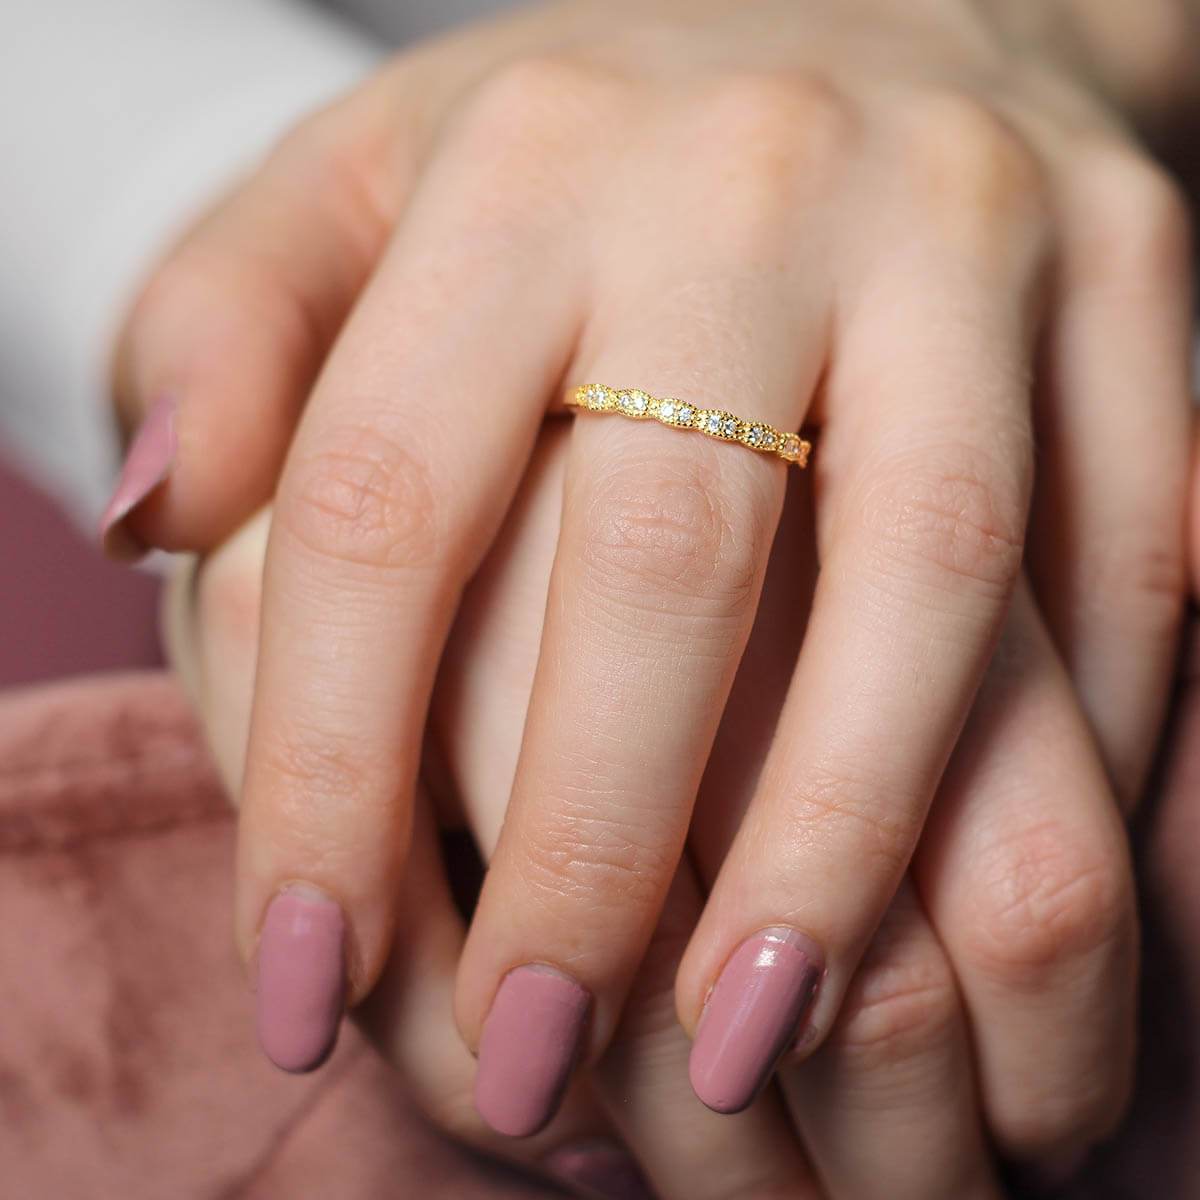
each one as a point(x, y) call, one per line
point(663, 545)
point(687, 1152)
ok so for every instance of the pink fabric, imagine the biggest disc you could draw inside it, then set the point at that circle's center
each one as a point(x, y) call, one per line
point(128, 1069)
point(128, 1066)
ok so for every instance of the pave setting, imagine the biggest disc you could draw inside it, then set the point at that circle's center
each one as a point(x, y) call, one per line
point(678, 414)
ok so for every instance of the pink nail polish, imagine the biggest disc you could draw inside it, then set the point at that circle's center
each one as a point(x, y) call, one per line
point(752, 1016)
point(148, 462)
point(530, 1043)
point(598, 1168)
point(301, 979)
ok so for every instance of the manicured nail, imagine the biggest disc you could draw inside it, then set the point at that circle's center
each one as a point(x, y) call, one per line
point(528, 1048)
point(149, 461)
point(598, 1168)
point(301, 979)
point(752, 1016)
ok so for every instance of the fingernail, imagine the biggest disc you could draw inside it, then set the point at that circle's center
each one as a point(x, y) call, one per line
point(528, 1048)
point(301, 979)
point(148, 462)
point(598, 1168)
point(752, 1016)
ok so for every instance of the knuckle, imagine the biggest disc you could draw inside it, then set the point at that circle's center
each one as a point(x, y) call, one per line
point(976, 178)
point(1133, 221)
point(319, 765)
point(653, 529)
point(334, 158)
point(316, 783)
point(835, 801)
point(363, 498)
point(765, 141)
point(535, 102)
point(1136, 585)
point(660, 529)
point(899, 1007)
point(952, 517)
point(599, 859)
point(785, 116)
point(1045, 898)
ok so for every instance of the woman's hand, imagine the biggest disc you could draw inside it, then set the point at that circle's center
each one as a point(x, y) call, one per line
point(891, 1105)
point(638, 1097)
point(870, 221)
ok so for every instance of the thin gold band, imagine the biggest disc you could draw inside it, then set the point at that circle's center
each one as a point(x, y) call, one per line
point(678, 414)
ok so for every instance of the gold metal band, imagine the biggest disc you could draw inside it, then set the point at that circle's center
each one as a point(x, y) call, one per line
point(678, 414)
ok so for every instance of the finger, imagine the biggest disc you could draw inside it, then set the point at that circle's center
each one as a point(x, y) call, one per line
point(486, 674)
point(409, 1016)
point(760, 688)
point(210, 621)
point(923, 516)
point(687, 1151)
point(218, 355)
point(1025, 873)
point(1107, 550)
point(887, 1106)
point(483, 690)
point(664, 541)
point(386, 504)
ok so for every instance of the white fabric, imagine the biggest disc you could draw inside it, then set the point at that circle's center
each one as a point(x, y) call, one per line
point(118, 119)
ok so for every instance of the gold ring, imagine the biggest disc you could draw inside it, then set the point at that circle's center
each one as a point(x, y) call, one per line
point(679, 414)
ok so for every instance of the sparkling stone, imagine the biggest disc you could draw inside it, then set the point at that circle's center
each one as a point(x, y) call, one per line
point(640, 404)
point(712, 423)
point(791, 446)
point(685, 413)
point(729, 427)
point(754, 435)
point(769, 441)
point(667, 410)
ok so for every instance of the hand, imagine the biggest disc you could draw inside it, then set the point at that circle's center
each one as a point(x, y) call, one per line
point(890, 1105)
point(771, 197)
point(640, 1090)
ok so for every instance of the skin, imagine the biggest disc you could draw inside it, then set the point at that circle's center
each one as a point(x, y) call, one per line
point(752, 207)
point(900, 1095)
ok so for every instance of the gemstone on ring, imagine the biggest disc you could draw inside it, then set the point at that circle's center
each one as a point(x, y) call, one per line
point(679, 414)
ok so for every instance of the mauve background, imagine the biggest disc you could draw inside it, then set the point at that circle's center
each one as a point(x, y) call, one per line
point(64, 610)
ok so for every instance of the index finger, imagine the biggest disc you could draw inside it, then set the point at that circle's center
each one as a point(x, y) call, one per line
point(402, 468)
